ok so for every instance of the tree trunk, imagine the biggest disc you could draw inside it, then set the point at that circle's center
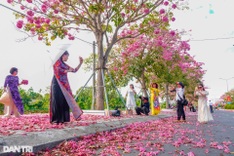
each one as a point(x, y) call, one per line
point(143, 84)
point(100, 91)
point(167, 97)
point(100, 86)
point(144, 89)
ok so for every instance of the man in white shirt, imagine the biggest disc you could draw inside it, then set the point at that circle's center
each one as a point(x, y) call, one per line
point(211, 106)
point(179, 100)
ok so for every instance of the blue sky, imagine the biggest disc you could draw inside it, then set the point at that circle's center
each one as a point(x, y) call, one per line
point(207, 19)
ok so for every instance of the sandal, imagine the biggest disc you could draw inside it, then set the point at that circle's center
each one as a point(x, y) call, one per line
point(78, 119)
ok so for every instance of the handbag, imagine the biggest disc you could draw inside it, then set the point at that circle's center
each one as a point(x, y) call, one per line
point(184, 101)
point(25, 82)
point(116, 113)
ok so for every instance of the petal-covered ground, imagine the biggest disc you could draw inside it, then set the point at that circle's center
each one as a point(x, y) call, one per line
point(40, 122)
point(159, 137)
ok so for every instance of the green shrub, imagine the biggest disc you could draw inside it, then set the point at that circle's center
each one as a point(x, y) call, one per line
point(226, 106)
point(84, 99)
point(229, 106)
point(163, 105)
point(1, 108)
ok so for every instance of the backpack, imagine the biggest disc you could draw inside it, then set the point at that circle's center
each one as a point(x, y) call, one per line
point(116, 113)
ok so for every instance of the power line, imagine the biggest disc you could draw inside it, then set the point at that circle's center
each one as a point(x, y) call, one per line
point(13, 10)
point(210, 39)
point(85, 41)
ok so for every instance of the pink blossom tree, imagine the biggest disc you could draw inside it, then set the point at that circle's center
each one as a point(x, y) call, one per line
point(51, 19)
point(160, 57)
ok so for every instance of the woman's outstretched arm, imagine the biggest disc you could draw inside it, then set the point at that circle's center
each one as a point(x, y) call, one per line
point(78, 67)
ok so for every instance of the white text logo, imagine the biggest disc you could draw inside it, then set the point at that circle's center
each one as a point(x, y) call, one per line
point(18, 149)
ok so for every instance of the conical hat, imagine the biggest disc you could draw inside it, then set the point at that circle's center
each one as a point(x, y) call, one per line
point(6, 98)
point(60, 52)
point(56, 53)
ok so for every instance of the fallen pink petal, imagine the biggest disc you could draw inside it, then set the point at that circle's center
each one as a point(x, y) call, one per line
point(153, 137)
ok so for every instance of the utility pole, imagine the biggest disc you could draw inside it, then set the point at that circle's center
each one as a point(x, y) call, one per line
point(94, 77)
point(227, 81)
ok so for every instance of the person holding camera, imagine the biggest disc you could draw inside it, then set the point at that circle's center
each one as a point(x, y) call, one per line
point(144, 107)
point(180, 100)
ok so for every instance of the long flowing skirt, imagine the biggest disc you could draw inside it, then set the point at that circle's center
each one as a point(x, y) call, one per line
point(15, 95)
point(59, 109)
point(155, 109)
point(204, 114)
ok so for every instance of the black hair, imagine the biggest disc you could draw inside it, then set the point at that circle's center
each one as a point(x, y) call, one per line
point(65, 53)
point(146, 98)
point(13, 69)
point(200, 84)
point(156, 85)
point(182, 85)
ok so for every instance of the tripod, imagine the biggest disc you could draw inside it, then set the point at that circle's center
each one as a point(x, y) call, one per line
point(105, 92)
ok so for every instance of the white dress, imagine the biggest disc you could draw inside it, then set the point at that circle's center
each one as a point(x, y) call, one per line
point(130, 101)
point(204, 114)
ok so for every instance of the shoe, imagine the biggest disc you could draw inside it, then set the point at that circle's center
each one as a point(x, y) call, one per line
point(17, 115)
point(78, 119)
point(54, 122)
point(6, 116)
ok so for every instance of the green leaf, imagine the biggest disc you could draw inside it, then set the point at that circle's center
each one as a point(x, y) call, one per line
point(108, 28)
point(53, 37)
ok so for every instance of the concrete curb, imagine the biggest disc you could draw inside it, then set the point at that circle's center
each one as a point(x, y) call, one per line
point(168, 110)
point(50, 138)
point(229, 110)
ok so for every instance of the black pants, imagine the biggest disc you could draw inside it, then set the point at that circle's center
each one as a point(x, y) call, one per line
point(180, 110)
point(191, 109)
point(143, 110)
point(211, 109)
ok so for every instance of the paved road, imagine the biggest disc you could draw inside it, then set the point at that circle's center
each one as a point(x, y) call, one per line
point(163, 137)
point(151, 135)
point(198, 139)
point(218, 131)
